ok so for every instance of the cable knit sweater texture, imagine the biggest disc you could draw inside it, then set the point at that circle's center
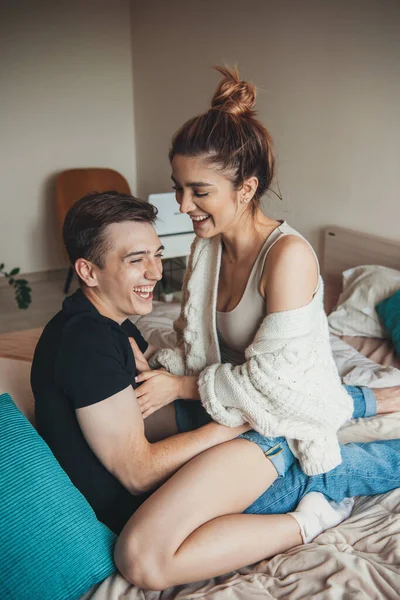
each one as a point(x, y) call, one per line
point(288, 385)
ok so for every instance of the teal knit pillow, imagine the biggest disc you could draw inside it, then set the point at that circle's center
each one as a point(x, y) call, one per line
point(389, 313)
point(52, 547)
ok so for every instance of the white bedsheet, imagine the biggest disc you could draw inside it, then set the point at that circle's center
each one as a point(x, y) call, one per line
point(356, 369)
point(156, 327)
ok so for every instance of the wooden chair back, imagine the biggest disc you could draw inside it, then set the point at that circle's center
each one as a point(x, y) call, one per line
point(73, 184)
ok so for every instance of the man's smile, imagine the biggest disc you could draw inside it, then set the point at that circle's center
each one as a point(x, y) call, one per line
point(144, 292)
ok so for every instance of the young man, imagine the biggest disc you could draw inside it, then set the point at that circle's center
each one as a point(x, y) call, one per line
point(83, 372)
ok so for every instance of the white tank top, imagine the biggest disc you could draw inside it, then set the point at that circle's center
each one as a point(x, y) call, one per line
point(236, 329)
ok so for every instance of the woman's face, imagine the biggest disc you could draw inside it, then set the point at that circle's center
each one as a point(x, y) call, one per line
point(206, 195)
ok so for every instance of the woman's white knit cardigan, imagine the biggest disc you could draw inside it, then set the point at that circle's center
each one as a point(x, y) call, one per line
point(288, 385)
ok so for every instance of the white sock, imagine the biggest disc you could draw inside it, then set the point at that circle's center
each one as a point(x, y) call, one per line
point(314, 514)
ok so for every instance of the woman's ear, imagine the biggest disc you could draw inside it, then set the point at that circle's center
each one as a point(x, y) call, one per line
point(248, 190)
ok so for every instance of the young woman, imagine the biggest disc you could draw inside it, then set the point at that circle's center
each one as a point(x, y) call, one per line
point(253, 345)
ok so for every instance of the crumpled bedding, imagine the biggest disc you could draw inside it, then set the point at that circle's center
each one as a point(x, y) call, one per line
point(358, 559)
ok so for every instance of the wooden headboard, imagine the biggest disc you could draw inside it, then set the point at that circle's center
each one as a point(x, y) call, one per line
point(345, 248)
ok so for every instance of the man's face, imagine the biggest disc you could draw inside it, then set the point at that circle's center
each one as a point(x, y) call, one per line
point(131, 268)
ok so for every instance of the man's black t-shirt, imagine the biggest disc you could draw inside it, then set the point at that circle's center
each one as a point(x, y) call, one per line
point(83, 358)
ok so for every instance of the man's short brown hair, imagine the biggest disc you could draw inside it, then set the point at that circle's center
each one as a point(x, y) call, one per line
point(86, 222)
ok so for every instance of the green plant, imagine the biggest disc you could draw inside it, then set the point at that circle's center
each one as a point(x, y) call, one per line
point(21, 287)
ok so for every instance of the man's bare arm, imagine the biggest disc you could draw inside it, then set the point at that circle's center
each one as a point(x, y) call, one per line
point(114, 430)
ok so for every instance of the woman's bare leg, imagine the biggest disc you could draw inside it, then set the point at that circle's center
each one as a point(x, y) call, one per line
point(190, 528)
point(387, 400)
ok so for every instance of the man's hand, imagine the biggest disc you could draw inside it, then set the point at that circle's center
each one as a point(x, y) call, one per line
point(140, 359)
point(158, 389)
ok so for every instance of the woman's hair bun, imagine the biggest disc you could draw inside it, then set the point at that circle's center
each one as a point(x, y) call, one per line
point(233, 96)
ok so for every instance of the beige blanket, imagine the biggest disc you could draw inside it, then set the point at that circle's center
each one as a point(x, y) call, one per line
point(358, 559)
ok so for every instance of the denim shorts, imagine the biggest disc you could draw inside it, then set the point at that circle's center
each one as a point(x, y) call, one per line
point(191, 415)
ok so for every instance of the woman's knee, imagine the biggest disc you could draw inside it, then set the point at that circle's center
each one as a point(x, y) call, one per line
point(141, 562)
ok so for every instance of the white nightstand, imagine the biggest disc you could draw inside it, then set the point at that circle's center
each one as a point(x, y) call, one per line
point(174, 229)
point(177, 245)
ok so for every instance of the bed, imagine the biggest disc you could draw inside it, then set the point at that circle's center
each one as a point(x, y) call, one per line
point(359, 558)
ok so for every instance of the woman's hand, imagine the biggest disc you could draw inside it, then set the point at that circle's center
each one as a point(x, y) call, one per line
point(140, 359)
point(158, 389)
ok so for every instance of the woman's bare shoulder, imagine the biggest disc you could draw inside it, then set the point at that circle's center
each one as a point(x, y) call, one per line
point(290, 275)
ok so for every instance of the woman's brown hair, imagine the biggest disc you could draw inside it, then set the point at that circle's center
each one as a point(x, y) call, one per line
point(230, 136)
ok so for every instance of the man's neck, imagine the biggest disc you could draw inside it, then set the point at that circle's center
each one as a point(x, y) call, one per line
point(102, 305)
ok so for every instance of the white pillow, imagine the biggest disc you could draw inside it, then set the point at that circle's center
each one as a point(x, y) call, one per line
point(363, 288)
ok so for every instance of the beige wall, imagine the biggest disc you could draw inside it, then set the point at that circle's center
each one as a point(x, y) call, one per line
point(66, 101)
point(329, 90)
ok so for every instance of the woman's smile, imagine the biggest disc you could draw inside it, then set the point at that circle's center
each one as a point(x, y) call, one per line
point(199, 221)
